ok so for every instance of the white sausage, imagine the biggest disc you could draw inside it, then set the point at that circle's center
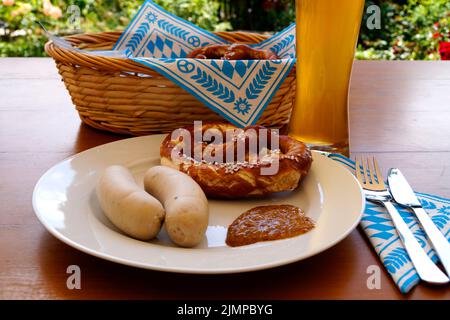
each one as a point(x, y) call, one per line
point(127, 206)
point(184, 201)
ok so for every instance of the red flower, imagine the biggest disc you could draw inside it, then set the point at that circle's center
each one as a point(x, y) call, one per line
point(436, 35)
point(444, 50)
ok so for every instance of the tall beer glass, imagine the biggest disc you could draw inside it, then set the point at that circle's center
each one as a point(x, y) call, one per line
point(327, 32)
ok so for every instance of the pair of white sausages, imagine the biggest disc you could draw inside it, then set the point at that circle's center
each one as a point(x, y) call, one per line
point(170, 196)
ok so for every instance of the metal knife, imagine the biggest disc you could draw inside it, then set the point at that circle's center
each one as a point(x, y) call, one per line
point(405, 196)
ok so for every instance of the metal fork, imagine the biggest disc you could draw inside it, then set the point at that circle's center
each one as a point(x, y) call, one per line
point(375, 190)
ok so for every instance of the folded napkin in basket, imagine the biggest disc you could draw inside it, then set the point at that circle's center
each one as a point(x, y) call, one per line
point(238, 90)
point(380, 230)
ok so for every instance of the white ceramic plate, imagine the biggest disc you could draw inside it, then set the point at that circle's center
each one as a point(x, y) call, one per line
point(65, 202)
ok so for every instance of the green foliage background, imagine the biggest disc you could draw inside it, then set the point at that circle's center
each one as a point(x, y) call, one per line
point(411, 29)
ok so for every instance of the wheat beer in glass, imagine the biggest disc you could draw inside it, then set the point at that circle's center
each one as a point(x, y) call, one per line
point(327, 32)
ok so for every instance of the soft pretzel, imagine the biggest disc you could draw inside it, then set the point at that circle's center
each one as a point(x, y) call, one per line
point(232, 52)
point(238, 179)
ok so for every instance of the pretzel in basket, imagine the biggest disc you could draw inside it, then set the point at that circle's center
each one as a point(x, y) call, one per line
point(249, 174)
point(232, 52)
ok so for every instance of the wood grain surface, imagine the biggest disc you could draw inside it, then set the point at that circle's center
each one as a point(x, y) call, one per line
point(399, 111)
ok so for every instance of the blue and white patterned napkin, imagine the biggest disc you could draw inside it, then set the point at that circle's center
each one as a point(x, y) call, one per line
point(238, 90)
point(380, 230)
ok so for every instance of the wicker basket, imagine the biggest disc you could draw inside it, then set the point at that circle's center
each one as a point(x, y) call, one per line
point(126, 97)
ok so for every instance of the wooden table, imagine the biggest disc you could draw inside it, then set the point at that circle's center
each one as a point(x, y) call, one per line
point(399, 111)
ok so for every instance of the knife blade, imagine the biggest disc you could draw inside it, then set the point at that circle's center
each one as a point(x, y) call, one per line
point(404, 195)
point(401, 190)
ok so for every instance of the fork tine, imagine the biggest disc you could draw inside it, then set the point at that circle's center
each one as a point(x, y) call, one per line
point(371, 172)
point(365, 169)
point(378, 172)
point(358, 169)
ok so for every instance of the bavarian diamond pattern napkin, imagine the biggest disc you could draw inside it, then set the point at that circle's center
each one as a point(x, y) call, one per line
point(380, 230)
point(238, 90)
